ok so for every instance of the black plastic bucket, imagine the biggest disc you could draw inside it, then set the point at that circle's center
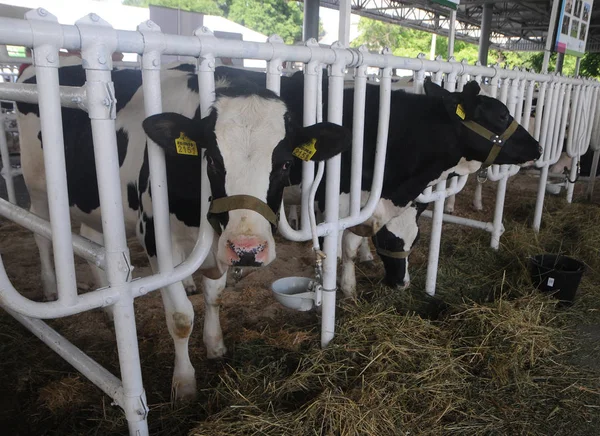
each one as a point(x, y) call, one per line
point(556, 274)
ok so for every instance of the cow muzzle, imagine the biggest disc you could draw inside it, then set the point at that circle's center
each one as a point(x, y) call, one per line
point(246, 251)
point(243, 243)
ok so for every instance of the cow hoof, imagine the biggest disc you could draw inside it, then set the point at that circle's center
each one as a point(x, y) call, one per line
point(349, 294)
point(367, 258)
point(216, 352)
point(183, 388)
point(191, 290)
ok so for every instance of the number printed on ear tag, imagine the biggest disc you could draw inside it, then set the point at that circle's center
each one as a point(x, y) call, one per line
point(185, 145)
point(305, 151)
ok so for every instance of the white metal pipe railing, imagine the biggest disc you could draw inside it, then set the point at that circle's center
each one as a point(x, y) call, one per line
point(70, 96)
point(435, 239)
point(358, 128)
point(46, 69)
point(377, 183)
point(17, 32)
point(150, 65)
point(551, 152)
point(7, 173)
point(96, 373)
point(81, 246)
point(312, 80)
point(10, 298)
point(332, 207)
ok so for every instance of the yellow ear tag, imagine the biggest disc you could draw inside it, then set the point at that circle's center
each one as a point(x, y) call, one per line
point(185, 145)
point(460, 111)
point(305, 151)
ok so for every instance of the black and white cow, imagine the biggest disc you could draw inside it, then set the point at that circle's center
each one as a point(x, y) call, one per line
point(429, 139)
point(249, 138)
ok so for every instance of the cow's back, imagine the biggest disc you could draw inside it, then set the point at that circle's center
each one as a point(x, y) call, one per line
point(79, 151)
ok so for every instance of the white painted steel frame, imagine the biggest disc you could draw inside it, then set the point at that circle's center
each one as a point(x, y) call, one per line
point(7, 172)
point(98, 40)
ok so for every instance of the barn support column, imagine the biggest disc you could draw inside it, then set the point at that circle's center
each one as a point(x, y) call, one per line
point(451, 34)
point(310, 26)
point(486, 30)
point(560, 60)
point(344, 29)
point(549, 35)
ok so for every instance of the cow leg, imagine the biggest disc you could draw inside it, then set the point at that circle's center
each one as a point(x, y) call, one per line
point(399, 235)
point(364, 251)
point(189, 286)
point(477, 197)
point(39, 207)
point(179, 313)
point(351, 243)
point(100, 279)
point(293, 217)
point(396, 269)
point(213, 336)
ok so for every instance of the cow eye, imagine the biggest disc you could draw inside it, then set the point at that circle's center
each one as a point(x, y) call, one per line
point(286, 165)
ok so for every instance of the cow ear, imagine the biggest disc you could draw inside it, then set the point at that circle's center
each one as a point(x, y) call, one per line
point(175, 133)
point(471, 89)
point(321, 141)
point(433, 89)
point(461, 105)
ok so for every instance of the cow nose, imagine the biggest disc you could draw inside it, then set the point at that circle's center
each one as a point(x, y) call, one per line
point(540, 149)
point(246, 251)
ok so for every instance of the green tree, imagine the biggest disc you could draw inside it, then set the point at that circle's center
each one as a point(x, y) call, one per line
point(409, 43)
point(282, 17)
point(208, 7)
point(269, 16)
point(536, 60)
point(590, 65)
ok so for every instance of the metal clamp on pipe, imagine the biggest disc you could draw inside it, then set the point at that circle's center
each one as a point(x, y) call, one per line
point(274, 66)
point(154, 45)
point(47, 37)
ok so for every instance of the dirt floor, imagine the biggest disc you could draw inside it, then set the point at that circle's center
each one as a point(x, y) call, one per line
point(43, 395)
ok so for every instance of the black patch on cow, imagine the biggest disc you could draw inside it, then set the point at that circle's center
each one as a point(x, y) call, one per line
point(126, 84)
point(192, 83)
point(133, 198)
point(395, 269)
point(183, 181)
point(149, 238)
point(190, 68)
point(77, 132)
point(39, 135)
point(144, 177)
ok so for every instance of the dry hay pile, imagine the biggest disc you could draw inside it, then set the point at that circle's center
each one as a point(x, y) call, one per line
point(487, 356)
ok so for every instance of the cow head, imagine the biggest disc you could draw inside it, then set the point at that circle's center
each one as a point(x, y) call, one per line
point(250, 143)
point(478, 117)
point(395, 241)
